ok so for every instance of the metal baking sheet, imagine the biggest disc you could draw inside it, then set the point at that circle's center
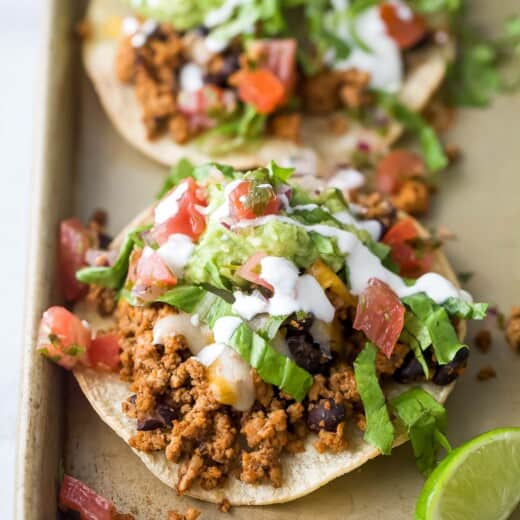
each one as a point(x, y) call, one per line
point(82, 164)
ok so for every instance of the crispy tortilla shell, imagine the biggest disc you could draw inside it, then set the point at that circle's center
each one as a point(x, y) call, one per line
point(120, 103)
point(302, 472)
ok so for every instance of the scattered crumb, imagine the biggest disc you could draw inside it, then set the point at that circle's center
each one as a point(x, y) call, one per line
point(191, 514)
point(452, 152)
point(224, 506)
point(444, 233)
point(483, 340)
point(337, 124)
point(465, 276)
point(513, 329)
point(486, 373)
point(83, 29)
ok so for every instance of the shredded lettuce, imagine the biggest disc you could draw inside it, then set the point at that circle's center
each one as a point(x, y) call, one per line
point(380, 430)
point(465, 310)
point(271, 366)
point(113, 277)
point(184, 14)
point(431, 147)
point(436, 321)
point(183, 169)
point(415, 334)
point(185, 297)
point(425, 421)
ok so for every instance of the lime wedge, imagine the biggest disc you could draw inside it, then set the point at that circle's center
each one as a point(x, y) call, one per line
point(480, 480)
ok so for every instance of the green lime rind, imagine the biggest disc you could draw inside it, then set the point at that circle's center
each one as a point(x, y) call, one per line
point(477, 481)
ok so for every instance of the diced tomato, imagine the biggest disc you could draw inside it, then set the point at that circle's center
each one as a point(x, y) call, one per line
point(260, 88)
point(251, 270)
point(241, 208)
point(395, 168)
point(77, 496)
point(407, 29)
point(104, 352)
point(411, 263)
point(380, 315)
point(152, 271)
point(63, 338)
point(204, 101)
point(279, 56)
point(186, 217)
point(75, 240)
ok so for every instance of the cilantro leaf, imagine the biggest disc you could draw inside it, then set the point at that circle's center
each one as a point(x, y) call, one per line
point(379, 431)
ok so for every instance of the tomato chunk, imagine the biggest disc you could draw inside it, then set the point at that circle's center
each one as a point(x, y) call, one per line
point(104, 352)
point(251, 270)
point(279, 56)
point(380, 315)
point(180, 212)
point(260, 88)
point(77, 496)
point(75, 240)
point(412, 264)
point(204, 101)
point(406, 29)
point(393, 169)
point(63, 338)
point(152, 276)
point(250, 200)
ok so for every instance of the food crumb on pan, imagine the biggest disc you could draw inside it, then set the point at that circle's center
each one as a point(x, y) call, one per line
point(486, 373)
point(191, 514)
point(224, 506)
point(83, 29)
point(483, 340)
point(453, 152)
point(513, 329)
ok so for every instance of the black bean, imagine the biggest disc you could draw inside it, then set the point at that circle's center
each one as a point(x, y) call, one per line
point(446, 374)
point(166, 412)
point(149, 423)
point(410, 371)
point(132, 399)
point(326, 415)
point(220, 78)
point(104, 240)
point(307, 353)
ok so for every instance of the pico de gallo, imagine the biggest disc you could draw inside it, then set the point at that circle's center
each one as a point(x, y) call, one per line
point(243, 69)
point(247, 304)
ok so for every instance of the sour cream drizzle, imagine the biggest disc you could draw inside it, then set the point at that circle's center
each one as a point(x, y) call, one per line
point(384, 63)
point(291, 293)
point(176, 252)
point(364, 265)
point(169, 206)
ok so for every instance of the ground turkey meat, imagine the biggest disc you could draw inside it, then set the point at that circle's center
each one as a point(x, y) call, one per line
point(513, 329)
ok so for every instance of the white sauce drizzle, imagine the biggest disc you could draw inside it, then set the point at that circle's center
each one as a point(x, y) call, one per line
point(180, 325)
point(247, 306)
point(384, 63)
point(225, 327)
point(292, 293)
point(191, 77)
point(221, 14)
point(130, 25)
point(176, 252)
point(169, 206)
point(364, 265)
point(229, 376)
point(347, 179)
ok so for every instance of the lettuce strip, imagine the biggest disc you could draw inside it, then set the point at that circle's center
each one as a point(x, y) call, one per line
point(380, 430)
point(425, 421)
point(465, 310)
point(113, 277)
point(435, 319)
point(271, 366)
